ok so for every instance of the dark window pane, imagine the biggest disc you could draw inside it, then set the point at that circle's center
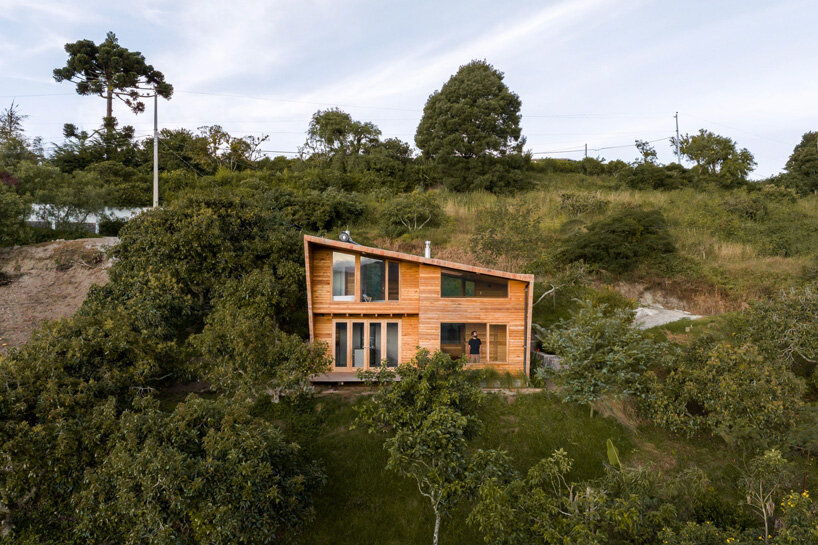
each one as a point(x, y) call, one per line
point(392, 341)
point(373, 279)
point(340, 344)
point(394, 281)
point(465, 284)
point(451, 286)
point(375, 344)
point(453, 339)
point(358, 353)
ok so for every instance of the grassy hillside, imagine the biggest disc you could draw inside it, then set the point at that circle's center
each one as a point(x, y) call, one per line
point(734, 246)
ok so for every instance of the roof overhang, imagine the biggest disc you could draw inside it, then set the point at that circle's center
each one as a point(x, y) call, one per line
point(400, 256)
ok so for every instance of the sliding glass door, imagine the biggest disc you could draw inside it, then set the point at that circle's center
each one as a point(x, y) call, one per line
point(365, 344)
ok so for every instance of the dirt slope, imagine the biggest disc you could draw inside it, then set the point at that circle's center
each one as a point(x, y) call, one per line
point(47, 281)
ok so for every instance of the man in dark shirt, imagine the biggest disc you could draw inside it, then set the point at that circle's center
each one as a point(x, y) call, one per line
point(474, 348)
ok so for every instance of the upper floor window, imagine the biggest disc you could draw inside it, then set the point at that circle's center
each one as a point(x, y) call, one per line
point(343, 277)
point(466, 284)
point(380, 280)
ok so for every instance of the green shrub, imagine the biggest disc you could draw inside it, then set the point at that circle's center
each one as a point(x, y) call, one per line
point(509, 236)
point(730, 390)
point(410, 213)
point(582, 203)
point(752, 208)
point(602, 354)
point(621, 241)
point(13, 211)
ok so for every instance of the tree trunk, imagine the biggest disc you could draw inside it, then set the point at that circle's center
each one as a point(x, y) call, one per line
point(437, 528)
point(109, 106)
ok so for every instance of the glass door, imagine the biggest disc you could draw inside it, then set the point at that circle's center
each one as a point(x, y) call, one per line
point(374, 344)
point(358, 345)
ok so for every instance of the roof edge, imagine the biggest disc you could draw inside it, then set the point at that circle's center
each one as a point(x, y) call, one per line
point(417, 258)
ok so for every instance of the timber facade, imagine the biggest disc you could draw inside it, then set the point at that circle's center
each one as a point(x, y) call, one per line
point(371, 305)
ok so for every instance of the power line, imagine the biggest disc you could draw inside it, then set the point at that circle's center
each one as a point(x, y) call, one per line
point(554, 152)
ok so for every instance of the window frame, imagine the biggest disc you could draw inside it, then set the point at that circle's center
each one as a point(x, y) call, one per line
point(461, 275)
point(485, 347)
point(355, 280)
point(366, 348)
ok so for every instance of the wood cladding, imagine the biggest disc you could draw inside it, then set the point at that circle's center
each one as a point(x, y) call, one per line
point(420, 309)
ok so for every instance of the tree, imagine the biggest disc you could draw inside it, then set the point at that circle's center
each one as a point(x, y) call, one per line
point(14, 146)
point(411, 212)
point(647, 151)
point(716, 155)
point(470, 129)
point(733, 391)
point(109, 70)
point(429, 415)
point(762, 480)
point(206, 473)
point(602, 354)
point(803, 163)
point(621, 241)
point(13, 212)
point(334, 136)
point(242, 344)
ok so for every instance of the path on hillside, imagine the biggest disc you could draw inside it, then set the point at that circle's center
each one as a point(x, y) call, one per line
point(46, 281)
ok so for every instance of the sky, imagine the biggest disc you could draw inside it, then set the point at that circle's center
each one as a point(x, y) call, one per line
point(597, 72)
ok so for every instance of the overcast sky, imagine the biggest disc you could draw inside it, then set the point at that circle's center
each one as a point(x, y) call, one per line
point(588, 71)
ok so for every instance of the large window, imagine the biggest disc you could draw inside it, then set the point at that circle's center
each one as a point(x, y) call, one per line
point(343, 277)
point(373, 279)
point(394, 281)
point(466, 284)
point(366, 343)
point(454, 339)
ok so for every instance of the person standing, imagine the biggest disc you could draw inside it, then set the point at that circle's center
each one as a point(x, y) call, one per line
point(474, 348)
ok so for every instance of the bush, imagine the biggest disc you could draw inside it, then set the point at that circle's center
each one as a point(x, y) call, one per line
point(207, 472)
point(316, 211)
point(13, 211)
point(602, 354)
point(581, 203)
point(409, 213)
point(651, 176)
point(621, 241)
point(752, 208)
point(730, 390)
point(509, 235)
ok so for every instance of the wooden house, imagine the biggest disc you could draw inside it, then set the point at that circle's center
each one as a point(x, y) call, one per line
point(371, 305)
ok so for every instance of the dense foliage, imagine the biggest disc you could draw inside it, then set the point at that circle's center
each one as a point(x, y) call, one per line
point(621, 241)
point(470, 129)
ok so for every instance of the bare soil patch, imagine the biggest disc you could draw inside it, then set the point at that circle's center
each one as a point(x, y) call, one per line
point(47, 281)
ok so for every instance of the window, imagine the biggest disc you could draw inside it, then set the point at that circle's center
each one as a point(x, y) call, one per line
point(454, 339)
point(374, 344)
point(465, 284)
point(358, 347)
point(343, 277)
point(340, 344)
point(392, 344)
point(373, 279)
point(498, 346)
point(394, 281)
point(367, 343)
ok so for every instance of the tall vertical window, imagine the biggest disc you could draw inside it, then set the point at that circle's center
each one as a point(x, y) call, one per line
point(392, 342)
point(343, 277)
point(358, 345)
point(498, 345)
point(340, 344)
point(373, 279)
point(453, 339)
point(375, 344)
point(394, 281)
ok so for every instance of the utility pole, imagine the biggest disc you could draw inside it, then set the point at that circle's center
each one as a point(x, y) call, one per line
point(678, 155)
point(586, 151)
point(155, 149)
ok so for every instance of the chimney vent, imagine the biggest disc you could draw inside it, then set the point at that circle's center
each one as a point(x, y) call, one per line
point(427, 252)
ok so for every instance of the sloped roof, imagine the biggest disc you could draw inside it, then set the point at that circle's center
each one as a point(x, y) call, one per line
point(320, 241)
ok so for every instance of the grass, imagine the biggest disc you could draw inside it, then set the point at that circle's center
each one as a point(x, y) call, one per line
point(363, 503)
point(725, 259)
